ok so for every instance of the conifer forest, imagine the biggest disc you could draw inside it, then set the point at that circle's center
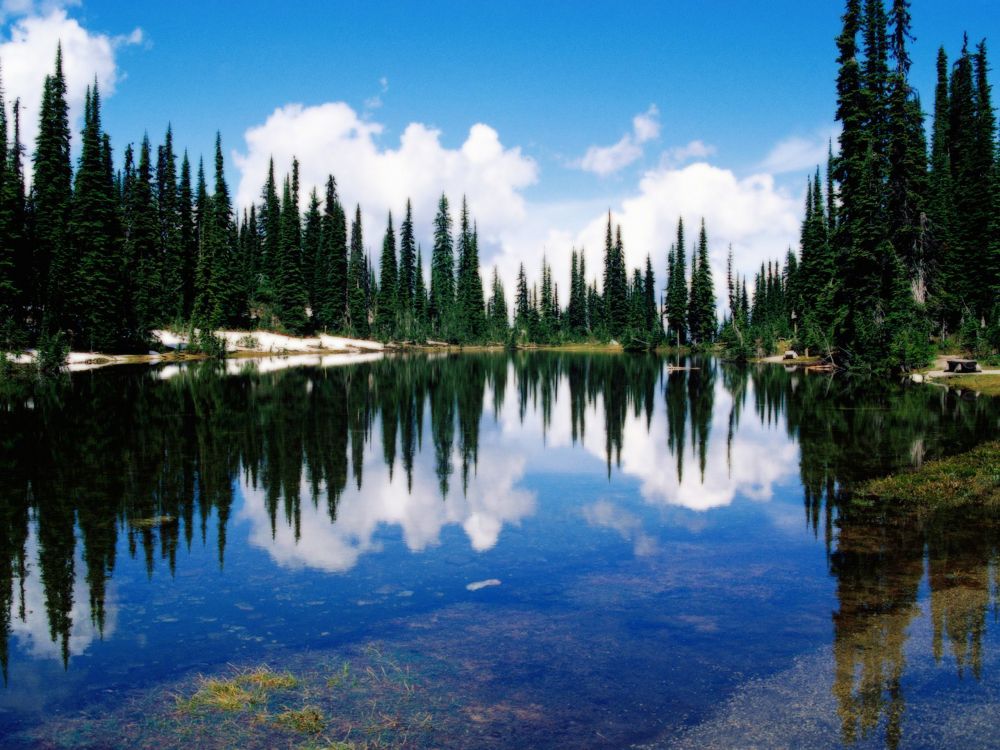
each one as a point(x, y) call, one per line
point(900, 241)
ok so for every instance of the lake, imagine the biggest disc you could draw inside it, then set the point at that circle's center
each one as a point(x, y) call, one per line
point(543, 550)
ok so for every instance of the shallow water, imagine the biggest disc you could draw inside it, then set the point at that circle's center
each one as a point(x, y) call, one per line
point(549, 550)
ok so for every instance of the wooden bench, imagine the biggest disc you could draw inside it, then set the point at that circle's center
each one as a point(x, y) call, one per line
point(962, 365)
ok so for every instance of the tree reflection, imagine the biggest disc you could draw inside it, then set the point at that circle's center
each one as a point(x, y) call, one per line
point(133, 459)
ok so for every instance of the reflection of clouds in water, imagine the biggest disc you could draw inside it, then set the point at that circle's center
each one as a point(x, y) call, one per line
point(491, 501)
point(760, 456)
point(32, 633)
point(629, 527)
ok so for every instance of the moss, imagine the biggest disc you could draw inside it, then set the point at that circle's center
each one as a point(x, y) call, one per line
point(971, 478)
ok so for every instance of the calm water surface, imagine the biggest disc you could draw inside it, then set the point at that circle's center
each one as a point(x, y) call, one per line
point(549, 550)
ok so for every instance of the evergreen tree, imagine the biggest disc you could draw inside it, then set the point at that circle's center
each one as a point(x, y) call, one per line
point(143, 244)
point(407, 272)
point(188, 238)
point(97, 308)
point(312, 235)
point(496, 310)
point(615, 283)
point(469, 302)
point(702, 321)
point(421, 304)
point(15, 260)
point(386, 319)
point(171, 298)
point(51, 194)
point(522, 310)
point(357, 283)
point(677, 291)
point(442, 297)
point(290, 301)
point(651, 316)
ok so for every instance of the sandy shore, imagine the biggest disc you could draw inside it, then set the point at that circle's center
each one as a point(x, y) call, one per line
point(269, 350)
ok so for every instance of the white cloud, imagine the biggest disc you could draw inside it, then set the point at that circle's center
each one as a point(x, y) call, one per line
point(760, 219)
point(755, 216)
point(606, 160)
point(333, 139)
point(678, 155)
point(17, 8)
point(798, 152)
point(28, 55)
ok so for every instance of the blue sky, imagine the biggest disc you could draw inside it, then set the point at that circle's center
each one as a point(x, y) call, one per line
point(745, 89)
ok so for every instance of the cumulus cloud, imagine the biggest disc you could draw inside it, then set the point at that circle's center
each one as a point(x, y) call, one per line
point(28, 55)
point(755, 216)
point(333, 139)
point(797, 152)
point(759, 218)
point(606, 160)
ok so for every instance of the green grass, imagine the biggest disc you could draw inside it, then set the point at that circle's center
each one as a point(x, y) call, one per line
point(988, 385)
point(971, 478)
point(308, 720)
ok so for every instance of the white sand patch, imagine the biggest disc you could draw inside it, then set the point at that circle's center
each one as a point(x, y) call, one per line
point(266, 341)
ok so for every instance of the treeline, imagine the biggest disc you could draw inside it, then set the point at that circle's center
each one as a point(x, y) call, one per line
point(902, 243)
point(99, 257)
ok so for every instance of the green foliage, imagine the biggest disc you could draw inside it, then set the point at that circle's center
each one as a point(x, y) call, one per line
point(52, 352)
point(204, 341)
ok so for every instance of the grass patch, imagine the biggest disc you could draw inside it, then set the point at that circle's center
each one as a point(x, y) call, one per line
point(308, 720)
point(218, 694)
point(971, 478)
point(263, 678)
point(237, 693)
point(988, 385)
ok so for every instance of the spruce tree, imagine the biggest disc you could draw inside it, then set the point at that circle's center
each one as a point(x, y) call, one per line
point(702, 320)
point(312, 270)
point(522, 311)
point(143, 246)
point(290, 292)
point(421, 304)
point(442, 295)
point(357, 283)
point(188, 238)
point(677, 291)
point(496, 310)
point(469, 301)
point(96, 308)
point(332, 276)
point(51, 194)
point(651, 316)
point(171, 301)
point(14, 263)
point(407, 272)
point(386, 319)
